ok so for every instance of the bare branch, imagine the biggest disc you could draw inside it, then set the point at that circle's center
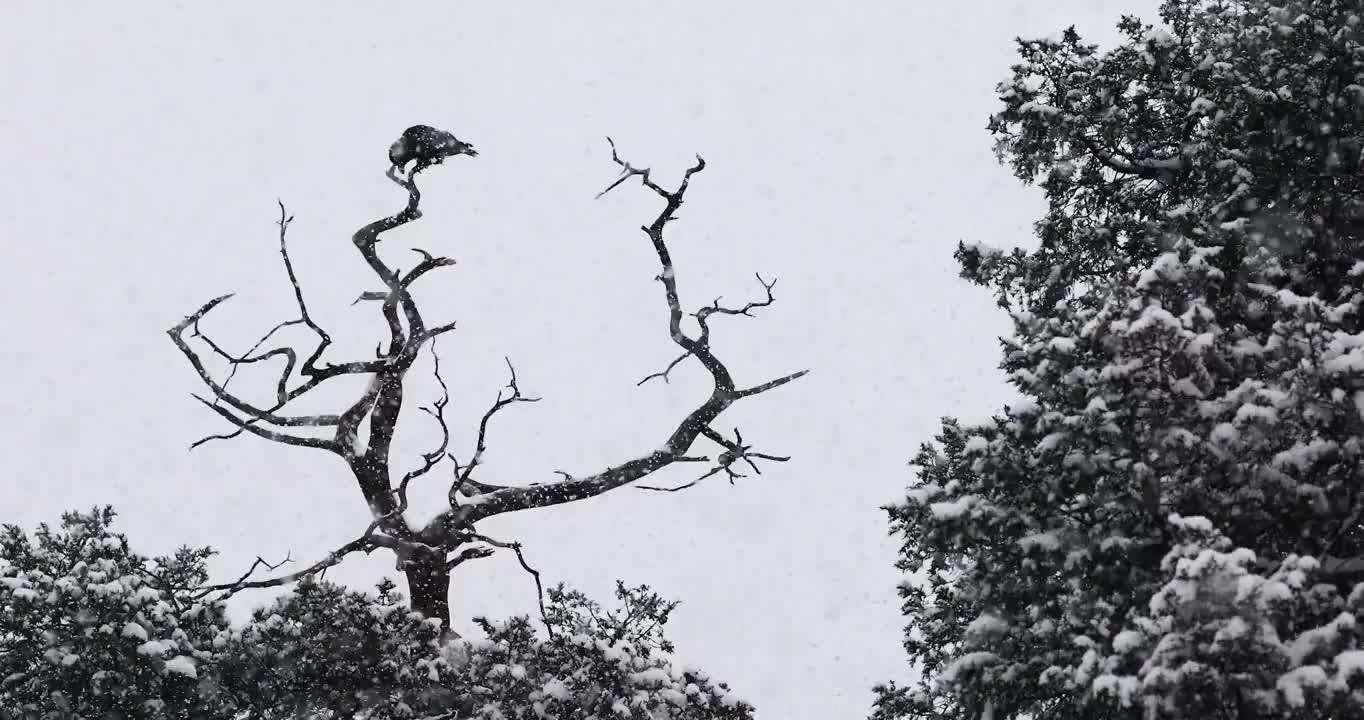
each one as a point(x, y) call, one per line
point(235, 362)
point(747, 309)
point(303, 319)
point(217, 436)
point(434, 457)
point(283, 394)
point(365, 543)
point(770, 384)
point(429, 262)
point(469, 486)
point(403, 347)
point(703, 315)
point(493, 500)
point(259, 563)
point(735, 450)
point(627, 171)
point(379, 404)
point(324, 340)
point(220, 392)
point(539, 587)
point(269, 434)
point(681, 487)
point(665, 371)
point(371, 295)
point(437, 331)
point(467, 554)
point(463, 477)
point(382, 399)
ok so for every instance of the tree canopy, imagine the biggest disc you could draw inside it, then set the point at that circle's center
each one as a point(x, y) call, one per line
point(1167, 524)
point(1240, 112)
point(91, 629)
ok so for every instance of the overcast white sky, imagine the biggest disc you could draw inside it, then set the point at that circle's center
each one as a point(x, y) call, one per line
point(145, 146)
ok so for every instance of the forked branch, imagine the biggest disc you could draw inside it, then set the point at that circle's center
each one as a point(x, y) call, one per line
point(463, 473)
point(465, 511)
point(379, 403)
point(378, 406)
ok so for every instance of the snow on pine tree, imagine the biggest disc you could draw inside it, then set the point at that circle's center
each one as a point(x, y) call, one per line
point(360, 655)
point(1229, 111)
point(90, 629)
point(1168, 524)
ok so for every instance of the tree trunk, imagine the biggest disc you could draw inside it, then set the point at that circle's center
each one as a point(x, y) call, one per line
point(428, 581)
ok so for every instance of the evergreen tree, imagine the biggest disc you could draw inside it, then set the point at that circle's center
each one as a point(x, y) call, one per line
point(1241, 112)
point(1167, 525)
point(91, 629)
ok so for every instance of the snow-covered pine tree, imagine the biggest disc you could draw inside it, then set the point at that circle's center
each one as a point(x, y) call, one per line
point(1168, 523)
point(91, 629)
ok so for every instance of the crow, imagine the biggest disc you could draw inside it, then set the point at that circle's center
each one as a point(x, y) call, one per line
point(428, 146)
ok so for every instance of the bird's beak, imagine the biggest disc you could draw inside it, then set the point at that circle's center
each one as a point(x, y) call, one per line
point(470, 151)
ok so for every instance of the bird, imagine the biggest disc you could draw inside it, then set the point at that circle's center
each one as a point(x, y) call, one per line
point(426, 145)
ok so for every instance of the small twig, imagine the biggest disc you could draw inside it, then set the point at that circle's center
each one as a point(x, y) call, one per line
point(433, 458)
point(436, 331)
point(747, 309)
point(283, 394)
point(467, 554)
point(235, 362)
point(627, 171)
point(279, 437)
point(364, 542)
point(217, 436)
point(367, 542)
point(471, 486)
point(770, 384)
point(324, 340)
point(664, 373)
point(481, 446)
point(539, 587)
point(683, 486)
point(304, 318)
point(371, 295)
point(735, 450)
point(429, 262)
point(260, 562)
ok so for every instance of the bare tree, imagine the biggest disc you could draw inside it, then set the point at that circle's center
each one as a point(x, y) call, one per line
point(429, 553)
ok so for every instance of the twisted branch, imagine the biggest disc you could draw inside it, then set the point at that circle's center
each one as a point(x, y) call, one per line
point(465, 511)
point(381, 401)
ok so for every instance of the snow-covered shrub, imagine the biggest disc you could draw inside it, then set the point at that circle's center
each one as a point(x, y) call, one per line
point(90, 629)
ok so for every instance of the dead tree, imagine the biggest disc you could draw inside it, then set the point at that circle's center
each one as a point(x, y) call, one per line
point(428, 554)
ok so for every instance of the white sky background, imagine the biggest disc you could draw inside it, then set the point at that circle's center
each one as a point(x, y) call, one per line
point(847, 156)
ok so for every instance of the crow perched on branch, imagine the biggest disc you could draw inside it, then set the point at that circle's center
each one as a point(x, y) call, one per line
point(428, 146)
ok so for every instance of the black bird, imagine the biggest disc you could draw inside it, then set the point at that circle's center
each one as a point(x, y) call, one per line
point(428, 146)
